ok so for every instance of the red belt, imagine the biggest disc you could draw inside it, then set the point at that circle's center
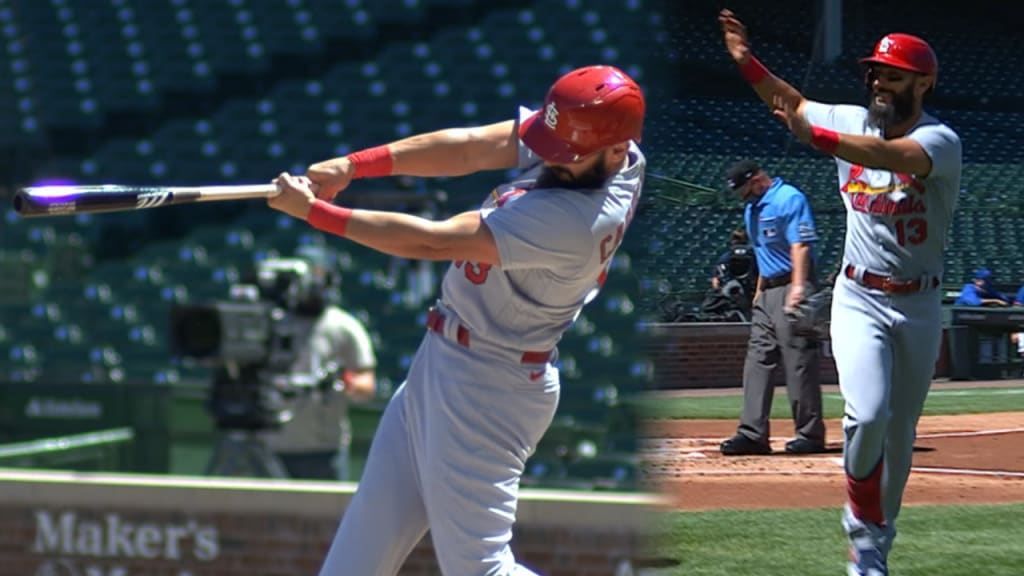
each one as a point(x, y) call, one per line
point(886, 283)
point(435, 323)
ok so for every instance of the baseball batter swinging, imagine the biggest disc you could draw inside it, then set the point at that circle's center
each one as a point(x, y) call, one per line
point(483, 386)
point(899, 177)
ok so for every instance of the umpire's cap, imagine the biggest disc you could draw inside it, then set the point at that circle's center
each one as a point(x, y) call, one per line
point(585, 110)
point(741, 172)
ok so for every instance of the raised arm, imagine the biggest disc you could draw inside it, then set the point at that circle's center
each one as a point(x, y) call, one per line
point(451, 152)
point(768, 86)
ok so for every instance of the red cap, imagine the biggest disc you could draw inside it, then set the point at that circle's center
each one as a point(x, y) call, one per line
point(585, 110)
point(905, 52)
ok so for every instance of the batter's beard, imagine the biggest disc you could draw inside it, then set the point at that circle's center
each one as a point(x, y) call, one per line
point(897, 111)
point(560, 177)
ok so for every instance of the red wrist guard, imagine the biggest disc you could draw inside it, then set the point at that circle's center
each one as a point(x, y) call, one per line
point(753, 71)
point(372, 162)
point(329, 217)
point(824, 139)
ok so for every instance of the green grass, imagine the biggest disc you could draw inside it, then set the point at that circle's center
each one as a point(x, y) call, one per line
point(946, 540)
point(947, 401)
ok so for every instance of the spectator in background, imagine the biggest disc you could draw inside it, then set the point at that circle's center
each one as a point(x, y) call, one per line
point(1017, 338)
point(981, 292)
point(1018, 300)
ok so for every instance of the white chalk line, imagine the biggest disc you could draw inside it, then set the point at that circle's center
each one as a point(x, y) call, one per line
point(698, 452)
point(995, 432)
point(974, 433)
point(839, 472)
point(838, 462)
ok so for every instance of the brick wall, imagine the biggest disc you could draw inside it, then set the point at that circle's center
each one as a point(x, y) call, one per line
point(712, 355)
point(53, 524)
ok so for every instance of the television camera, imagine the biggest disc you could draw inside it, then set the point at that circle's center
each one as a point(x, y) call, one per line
point(252, 341)
point(738, 276)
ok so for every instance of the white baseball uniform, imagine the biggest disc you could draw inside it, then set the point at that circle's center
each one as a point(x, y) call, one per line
point(483, 388)
point(886, 345)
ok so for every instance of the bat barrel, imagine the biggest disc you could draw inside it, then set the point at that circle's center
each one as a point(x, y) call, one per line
point(28, 202)
point(64, 200)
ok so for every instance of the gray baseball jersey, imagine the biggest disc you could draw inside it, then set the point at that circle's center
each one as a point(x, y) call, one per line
point(896, 223)
point(885, 345)
point(555, 247)
point(320, 421)
point(455, 438)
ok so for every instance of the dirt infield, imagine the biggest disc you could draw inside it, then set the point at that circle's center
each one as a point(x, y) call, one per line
point(960, 459)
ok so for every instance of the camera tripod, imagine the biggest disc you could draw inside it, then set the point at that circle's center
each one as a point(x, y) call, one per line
point(244, 453)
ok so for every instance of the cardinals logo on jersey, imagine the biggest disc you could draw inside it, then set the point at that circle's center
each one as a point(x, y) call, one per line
point(859, 182)
point(888, 199)
point(497, 198)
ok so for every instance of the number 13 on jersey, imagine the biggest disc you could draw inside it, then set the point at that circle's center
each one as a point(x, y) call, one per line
point(475, 273)
point(912, 231)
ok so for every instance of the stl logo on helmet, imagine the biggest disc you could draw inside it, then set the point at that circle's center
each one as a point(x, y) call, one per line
point(551, 116)
point(884, 44)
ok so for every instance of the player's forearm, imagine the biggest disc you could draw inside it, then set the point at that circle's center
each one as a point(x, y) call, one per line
point(401, 235)
point(767, 85)
point(800, 254)
point(455, 151)
point(901, 155)
point(462, 237)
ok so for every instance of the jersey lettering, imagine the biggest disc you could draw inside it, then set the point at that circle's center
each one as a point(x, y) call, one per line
point(913, 231)
point(610, 243)
point(475, 273)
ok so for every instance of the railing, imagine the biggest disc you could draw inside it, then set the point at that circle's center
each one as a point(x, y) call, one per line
point(98, 450)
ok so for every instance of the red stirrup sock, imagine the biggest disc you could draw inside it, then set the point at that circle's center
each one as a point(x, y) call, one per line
point(866, 496)
point(329, 217)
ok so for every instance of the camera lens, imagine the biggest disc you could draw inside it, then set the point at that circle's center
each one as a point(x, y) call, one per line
point(195, 331)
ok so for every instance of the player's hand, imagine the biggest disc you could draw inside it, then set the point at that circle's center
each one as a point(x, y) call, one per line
point(787, 113)
point(735, 35)
point(295, 197)
point(797, 293)
point(330, 177)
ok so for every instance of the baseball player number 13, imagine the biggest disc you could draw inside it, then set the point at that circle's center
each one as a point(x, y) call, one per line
point(912, 231)
point(475, 273)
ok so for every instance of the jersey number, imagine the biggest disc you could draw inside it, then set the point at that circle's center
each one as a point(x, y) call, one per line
point(912, 231)
point(475, 273)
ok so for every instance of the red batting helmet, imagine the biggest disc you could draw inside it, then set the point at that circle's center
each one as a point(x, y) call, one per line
point(585, 110)
point(906, 52)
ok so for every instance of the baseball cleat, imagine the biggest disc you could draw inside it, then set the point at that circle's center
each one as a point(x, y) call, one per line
point(866, 562)
point(740, 445)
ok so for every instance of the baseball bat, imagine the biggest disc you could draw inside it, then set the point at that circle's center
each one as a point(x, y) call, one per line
point(39, 201)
